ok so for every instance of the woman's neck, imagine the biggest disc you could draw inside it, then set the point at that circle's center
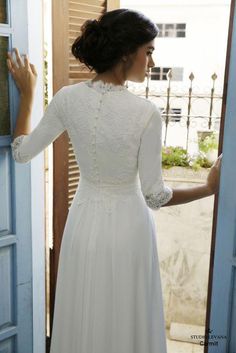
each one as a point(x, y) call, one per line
point(110, 78)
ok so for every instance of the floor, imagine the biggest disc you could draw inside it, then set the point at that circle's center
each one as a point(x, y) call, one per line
point(172, 346)
point(182, 347)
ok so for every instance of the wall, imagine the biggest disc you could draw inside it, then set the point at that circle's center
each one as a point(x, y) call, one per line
point(183, 242)
point(202, 51)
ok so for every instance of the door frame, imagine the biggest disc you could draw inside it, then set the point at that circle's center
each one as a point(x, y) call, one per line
point(28, 190)
point(222, 262)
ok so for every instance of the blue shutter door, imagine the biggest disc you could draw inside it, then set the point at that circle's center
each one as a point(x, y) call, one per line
point(223, 297)
point(15, 216)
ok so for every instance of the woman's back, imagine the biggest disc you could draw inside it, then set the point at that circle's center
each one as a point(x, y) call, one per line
point(105, 123)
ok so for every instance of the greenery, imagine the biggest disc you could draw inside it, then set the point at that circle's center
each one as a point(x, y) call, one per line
point(178, 156)
point(175, 156)
point(45, 76)
point(200, 162)
point(209, 143)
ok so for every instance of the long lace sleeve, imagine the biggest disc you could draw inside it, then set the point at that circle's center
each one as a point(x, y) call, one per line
point(25, 147)
point(156, 193)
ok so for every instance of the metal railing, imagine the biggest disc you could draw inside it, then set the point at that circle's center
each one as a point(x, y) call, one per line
point(169, 94)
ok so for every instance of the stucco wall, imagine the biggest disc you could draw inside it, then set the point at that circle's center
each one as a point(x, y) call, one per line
point(183, 242)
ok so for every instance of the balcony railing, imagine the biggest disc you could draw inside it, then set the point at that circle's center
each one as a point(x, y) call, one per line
point(208, 120)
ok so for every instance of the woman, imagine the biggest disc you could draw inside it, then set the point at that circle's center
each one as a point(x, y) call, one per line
point(108, 294)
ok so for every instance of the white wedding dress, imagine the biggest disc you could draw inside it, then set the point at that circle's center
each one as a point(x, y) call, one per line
point(108, 292)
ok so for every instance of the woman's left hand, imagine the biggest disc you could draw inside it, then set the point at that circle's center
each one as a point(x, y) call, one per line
point(24, 74)
point(213, 178)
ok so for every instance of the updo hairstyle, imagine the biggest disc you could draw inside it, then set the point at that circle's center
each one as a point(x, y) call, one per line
point(117, 33)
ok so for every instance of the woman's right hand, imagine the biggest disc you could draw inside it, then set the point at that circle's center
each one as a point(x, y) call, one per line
point(24, 73)
point(213, 178)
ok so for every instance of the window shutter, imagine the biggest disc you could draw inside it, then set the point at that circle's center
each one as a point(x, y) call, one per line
point(79, 12)
point(67, 18)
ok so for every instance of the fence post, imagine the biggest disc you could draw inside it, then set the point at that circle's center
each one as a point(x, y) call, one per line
point(214, 77)
point(191, 77)
point(169, 76)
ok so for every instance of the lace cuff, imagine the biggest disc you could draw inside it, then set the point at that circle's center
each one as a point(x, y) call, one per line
point(15, 149)
point(156, 200)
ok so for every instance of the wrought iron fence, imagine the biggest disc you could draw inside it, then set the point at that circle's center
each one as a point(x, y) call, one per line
point(210, 119)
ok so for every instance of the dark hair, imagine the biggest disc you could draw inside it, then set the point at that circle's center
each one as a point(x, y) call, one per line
point(116, 33)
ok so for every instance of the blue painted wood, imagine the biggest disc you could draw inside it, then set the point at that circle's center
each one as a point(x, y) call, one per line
point(5, 192)
point(7, 346)
point(223, 301)
point(16, 304)
point(233, 316)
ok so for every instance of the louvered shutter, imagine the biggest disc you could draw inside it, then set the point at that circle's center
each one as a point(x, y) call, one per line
point(67, 18)
point(79, 12)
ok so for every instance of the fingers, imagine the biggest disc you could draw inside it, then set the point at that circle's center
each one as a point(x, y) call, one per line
point(12, 63)
point(26, 61)
point(18, 58)
point(219, 158)
point(10, 67)
point(33, 69)
point(217, 163)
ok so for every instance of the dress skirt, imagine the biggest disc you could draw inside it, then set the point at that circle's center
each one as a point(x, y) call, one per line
point(108, 293)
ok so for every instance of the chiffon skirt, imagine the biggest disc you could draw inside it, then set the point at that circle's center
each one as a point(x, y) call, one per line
point(108, 293)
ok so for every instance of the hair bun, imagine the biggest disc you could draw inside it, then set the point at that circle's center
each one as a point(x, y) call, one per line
point(91, 26)
point(103, 42)
point(95, 24)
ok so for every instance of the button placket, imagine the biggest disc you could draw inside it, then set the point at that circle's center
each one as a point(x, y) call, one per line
point(94, 150)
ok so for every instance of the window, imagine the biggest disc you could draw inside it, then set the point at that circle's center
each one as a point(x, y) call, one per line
point(172, 30)
point(174, 114)
point(3, 11)
point(160, 73)
point(4, 97)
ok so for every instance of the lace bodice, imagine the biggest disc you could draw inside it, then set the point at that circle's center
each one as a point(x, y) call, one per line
point(115, 134)
point(102, 86)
